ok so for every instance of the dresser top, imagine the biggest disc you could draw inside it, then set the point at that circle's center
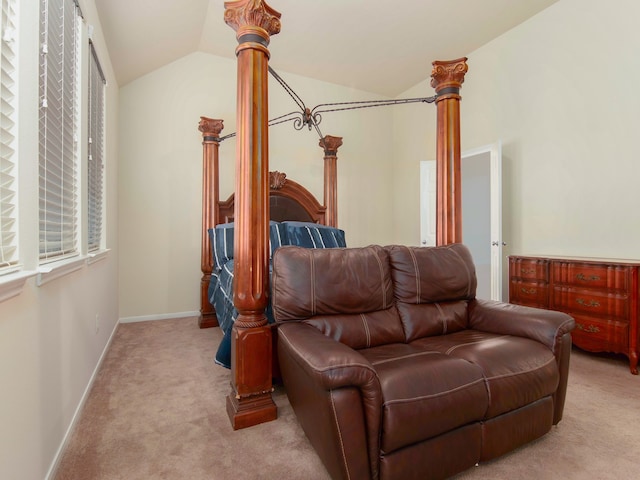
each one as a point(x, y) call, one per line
point(580, 259)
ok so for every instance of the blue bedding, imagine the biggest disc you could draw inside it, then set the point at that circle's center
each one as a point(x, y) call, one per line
point(309, 235)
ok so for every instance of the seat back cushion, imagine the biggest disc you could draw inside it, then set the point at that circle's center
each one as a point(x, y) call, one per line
point(346, 293)
point(432, 287)
point(429, 319)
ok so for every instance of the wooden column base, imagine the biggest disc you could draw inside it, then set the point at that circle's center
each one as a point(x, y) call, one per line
point(250, 402)
point(207, 320)
point(249, 411)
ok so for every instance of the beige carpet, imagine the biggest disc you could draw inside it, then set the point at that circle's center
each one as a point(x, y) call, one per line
point(156, 411)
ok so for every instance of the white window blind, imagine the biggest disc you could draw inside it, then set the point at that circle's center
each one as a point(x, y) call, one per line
point(8, 167)
point(58, 166)
point(96, 150)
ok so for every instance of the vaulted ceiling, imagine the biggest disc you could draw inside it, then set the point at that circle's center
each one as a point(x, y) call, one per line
point(380, 46)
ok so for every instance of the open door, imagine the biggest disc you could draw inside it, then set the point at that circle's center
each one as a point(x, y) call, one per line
point(428, 203)
point(481, 213)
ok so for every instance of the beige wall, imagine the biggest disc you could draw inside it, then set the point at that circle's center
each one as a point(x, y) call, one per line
point(160, 172)
point(49, 347)
point(560, 91)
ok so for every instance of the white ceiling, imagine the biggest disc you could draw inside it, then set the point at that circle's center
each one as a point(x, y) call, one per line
point(380, 46)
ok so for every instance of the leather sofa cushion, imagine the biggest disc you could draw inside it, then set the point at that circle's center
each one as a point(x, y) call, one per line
point(428, 319)
point(348, 292)
point(424, 393)
point(432, 274)
point(363, 330)
point(518, 370)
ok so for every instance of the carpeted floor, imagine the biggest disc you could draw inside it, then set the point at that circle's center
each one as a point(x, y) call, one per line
point(157, 411)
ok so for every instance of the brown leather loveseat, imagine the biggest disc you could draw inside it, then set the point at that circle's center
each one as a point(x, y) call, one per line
point(396, 371)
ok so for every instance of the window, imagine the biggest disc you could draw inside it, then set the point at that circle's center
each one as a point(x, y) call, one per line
point(8, 167)
point(58, 159)
point(95, 149)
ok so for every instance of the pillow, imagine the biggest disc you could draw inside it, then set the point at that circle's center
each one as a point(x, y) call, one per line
point(314, 235)
point(222, 244)
point(277, 236)
point(222, 241)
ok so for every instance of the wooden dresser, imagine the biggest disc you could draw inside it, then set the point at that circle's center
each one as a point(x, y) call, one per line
point(602, 296)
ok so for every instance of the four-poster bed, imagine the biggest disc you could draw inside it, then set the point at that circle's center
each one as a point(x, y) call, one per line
point(250, 401)
point(296, 218)
point(288, 200)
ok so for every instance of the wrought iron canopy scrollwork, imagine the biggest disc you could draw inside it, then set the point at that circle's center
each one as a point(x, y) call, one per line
point(311, 118)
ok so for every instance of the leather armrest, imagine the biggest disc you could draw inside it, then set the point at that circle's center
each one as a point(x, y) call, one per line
point(337, 398)
point(545, 326)
point(329, 363)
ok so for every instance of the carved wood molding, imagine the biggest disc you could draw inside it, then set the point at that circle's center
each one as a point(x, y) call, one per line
point(330, 144)
point(210, 127)
point(277, 180)
point(251, 14)
point(447, 74)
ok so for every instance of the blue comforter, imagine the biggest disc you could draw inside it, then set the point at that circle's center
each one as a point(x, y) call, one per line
point(310, 235)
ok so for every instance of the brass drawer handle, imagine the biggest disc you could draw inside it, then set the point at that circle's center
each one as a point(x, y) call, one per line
point(527, 271)
point(529, 291)
point(589, 329)
point(590, 303)
point(584, 278)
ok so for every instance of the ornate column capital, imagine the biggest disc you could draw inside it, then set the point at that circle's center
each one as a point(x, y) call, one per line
point(245, 15)
point(330, 144)
point(448, 75)
point(210, 127)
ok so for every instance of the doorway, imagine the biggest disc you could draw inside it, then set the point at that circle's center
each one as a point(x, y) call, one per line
point(481, 213)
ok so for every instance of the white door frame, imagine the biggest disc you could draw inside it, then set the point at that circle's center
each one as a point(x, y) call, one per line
point(495, 154)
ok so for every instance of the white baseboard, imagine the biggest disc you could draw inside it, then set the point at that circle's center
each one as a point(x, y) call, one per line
point(77, 413)
point(159, 316)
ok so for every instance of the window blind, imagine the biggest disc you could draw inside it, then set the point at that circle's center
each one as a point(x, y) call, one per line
point(96, 150)
point(58, 166)
point(8, 167)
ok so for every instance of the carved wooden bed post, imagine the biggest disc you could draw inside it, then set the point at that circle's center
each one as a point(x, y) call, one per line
point(447, 78)
point(210, 129)
point(330, 146)
point(250, 401)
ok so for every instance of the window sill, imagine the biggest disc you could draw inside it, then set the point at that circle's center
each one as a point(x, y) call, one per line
point(98, 255)
point(12, 284)
point(51, 271)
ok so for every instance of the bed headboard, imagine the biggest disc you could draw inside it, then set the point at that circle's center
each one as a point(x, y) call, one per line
point(288, 200)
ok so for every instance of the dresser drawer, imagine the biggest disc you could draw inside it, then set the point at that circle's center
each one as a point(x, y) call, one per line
point(589, 302)
point(532, 294)
point(601, 335)
point(610, 277)
point(529, 269)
